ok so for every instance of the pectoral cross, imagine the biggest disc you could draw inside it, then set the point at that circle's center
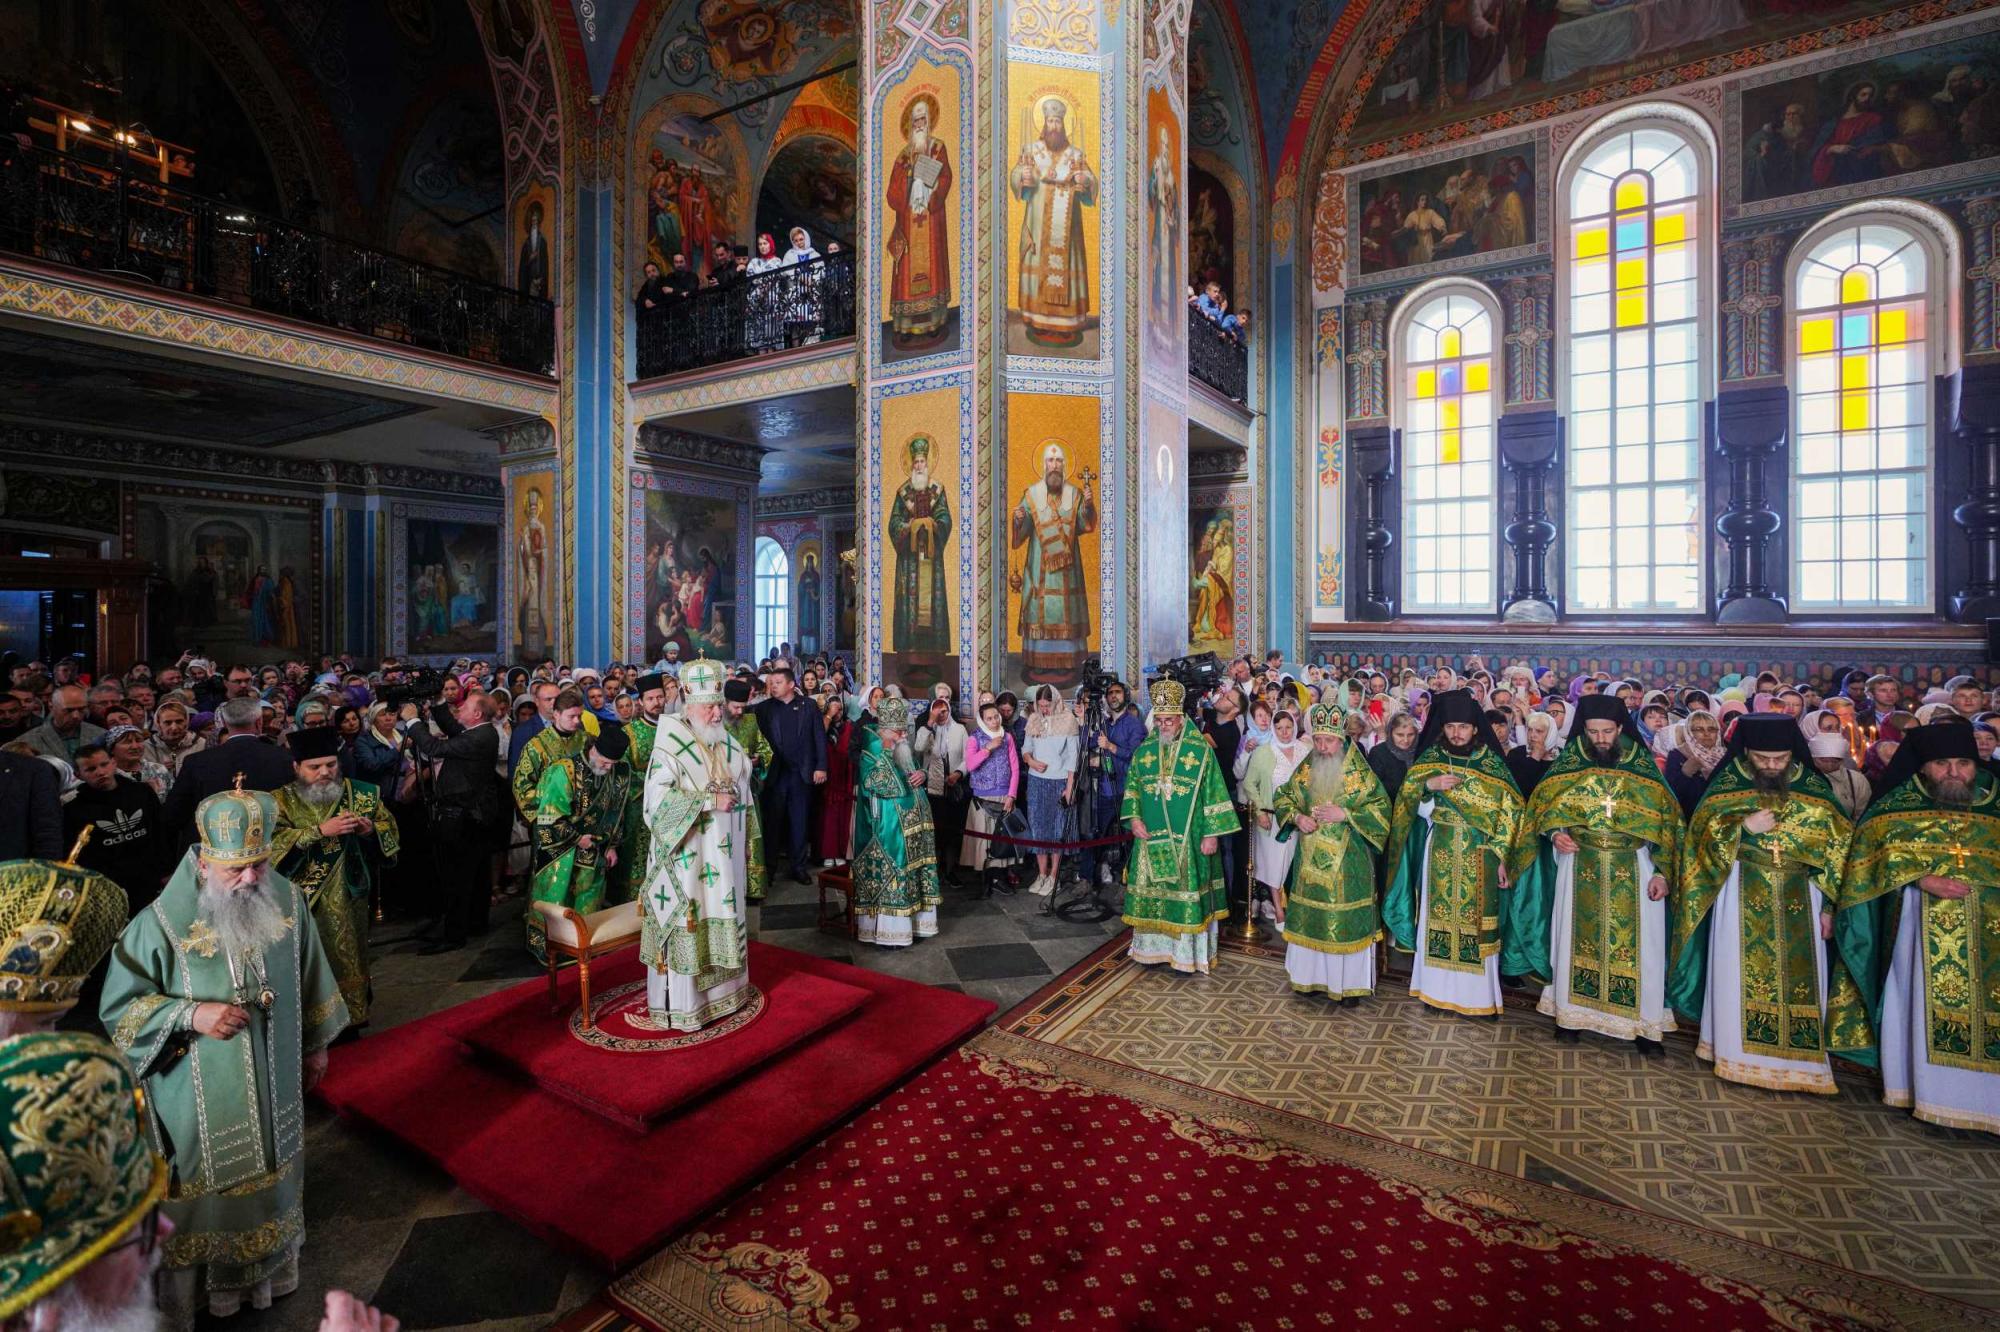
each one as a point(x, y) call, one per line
point(1610, 805)
point(1777, 855)
point(1958, 853)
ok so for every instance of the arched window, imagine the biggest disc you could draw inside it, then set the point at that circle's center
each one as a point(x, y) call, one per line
point(1862, 357)
point(1445, 405)
point(774, 596)
point(1635, 235)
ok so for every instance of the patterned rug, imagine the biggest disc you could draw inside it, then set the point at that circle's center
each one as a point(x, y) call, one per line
point(1027, 1181)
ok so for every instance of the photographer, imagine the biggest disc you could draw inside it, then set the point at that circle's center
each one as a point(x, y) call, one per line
point(466, 812)
point(1108, 747)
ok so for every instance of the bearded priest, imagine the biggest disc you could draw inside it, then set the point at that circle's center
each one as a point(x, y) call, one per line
point(693, 932)
point(331, 835)
point(1177, 808)
point(579, 806)
point(1762, 864)
point(1614, 826)
point(224, 1001)
point(1917, 934)
point(896, 896)
point(1455, 825)
point(1336, 806)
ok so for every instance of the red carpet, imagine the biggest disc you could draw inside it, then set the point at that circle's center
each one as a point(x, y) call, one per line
point(635, 1077)
point(592, 1186)
point(1010, 1186)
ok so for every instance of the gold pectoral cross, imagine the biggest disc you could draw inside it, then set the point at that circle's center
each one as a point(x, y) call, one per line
point(1610, 806)
point(1958, 853)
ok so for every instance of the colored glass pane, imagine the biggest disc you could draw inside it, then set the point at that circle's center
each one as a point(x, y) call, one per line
point(1816, 335)
point(1592, 241)
point(1631, 233)
point(1857, 284)
point(1448, 377)
point(1448, 344)
point(1855, 329)
point(1631, 273)
point(1448, 413)
point(1854, 411)
point(1894, 327)
point(1631, 193)
point(1478, 377)
point(1632, 309)
point(1854, 370)
point(1448, 447)
point(1670, 228)
point(1427, 384)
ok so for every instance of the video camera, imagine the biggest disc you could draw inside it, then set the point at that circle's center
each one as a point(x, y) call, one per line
point(1195, 674)
point(419, 686)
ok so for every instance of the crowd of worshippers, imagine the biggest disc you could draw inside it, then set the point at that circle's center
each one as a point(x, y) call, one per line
point(774, 313)
point(1594, 840)
point(1794, 873)
point(1212, 304)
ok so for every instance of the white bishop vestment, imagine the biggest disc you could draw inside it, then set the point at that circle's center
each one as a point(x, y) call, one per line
point(695, 938)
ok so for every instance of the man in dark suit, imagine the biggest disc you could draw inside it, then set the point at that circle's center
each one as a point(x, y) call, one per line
point(264, 767)
point(30, 809)
point(466, 812)
point(793, 725)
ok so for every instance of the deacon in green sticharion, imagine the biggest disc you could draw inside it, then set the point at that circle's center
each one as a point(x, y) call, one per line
point(1611, 826)
point(1456, 822)
point(1176, 807)
point(1335, 805)
point(579, 809)
point(1758, 881)
point(1916, 972)
point(224, 1001)
point(332, 838)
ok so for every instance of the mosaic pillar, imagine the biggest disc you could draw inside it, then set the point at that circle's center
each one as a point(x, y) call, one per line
point(1750, 430)
point(1530, 444)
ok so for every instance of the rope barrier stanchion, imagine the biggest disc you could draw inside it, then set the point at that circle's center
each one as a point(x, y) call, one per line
point(1091, 906)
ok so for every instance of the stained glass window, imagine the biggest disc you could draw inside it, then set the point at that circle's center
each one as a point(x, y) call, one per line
point(774, 596)
point(1448, 472)
point(1861, 394)
point(1634, 385)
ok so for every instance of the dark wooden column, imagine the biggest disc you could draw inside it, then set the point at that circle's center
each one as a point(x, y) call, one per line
point(1530, 443)
point(1371, 452)
point(1750, 428)
point(1975, 432)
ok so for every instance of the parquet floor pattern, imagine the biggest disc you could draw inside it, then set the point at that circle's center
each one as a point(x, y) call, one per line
point(1842, 1179)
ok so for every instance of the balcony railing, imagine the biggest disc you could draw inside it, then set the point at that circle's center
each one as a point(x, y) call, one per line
point(1216, 358)
point(752, 316)
point(64, 210)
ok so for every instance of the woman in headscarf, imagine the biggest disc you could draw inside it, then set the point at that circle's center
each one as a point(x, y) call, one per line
point(1558, 710)
point(993, 772)
point(836, 804)
point(1530, 762)
point(1697, 751)
point(765, 330)
point(1051, 759)
point(1260, 773)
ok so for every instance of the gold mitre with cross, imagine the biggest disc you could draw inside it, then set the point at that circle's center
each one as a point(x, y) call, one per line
point(1167, 695)
point(701, 681)
point(57, 922)
point(235, 826)
point(1326, 719)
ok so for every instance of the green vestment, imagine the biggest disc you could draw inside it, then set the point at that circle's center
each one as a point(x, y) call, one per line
point(1779, 931)
point(750, 738)
point(544, 747)
point(573, 802)
point(895, 851)
point(336, 874)
point(1610, 811)
point(1330, 901)
point(635, 841)
point(1173, 889)
point(228, 1115)
point(1470, 835)
point(1905, 835)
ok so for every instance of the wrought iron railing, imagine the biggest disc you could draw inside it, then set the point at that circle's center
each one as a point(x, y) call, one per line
point(1217, 358)
point(64, 210)
point(751, 316)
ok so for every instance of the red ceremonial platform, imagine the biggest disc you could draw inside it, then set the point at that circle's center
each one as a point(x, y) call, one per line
point(582, 1132)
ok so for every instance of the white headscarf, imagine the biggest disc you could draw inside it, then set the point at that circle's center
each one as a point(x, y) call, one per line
point(796, 255)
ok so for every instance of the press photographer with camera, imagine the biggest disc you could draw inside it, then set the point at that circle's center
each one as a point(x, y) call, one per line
point(466, 810)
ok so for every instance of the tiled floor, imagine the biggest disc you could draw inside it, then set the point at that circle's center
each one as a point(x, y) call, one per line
point(391, 1227)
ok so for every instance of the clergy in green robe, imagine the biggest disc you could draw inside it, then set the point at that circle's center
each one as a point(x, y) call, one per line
point(1336, 807)
point(224, 1001)
point(635, 844)
point(1611, 826)
point(1456, 822)
point(331, 836)
point(896, 895)
point(750, 738)
point(1916, 971)
point(1763, 862)
point(57, 922)
point(564, 737)
point(1176, 807)
point(579, 812)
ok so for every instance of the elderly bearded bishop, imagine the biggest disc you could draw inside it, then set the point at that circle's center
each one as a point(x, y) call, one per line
point(1177, 808)
point(695, 913)
point(223, 999)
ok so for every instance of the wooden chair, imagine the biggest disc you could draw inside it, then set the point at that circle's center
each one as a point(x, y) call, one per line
point(837, 918)
point(583, 938)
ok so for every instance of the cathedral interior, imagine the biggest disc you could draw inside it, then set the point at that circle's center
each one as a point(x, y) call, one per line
point(1355, 352)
